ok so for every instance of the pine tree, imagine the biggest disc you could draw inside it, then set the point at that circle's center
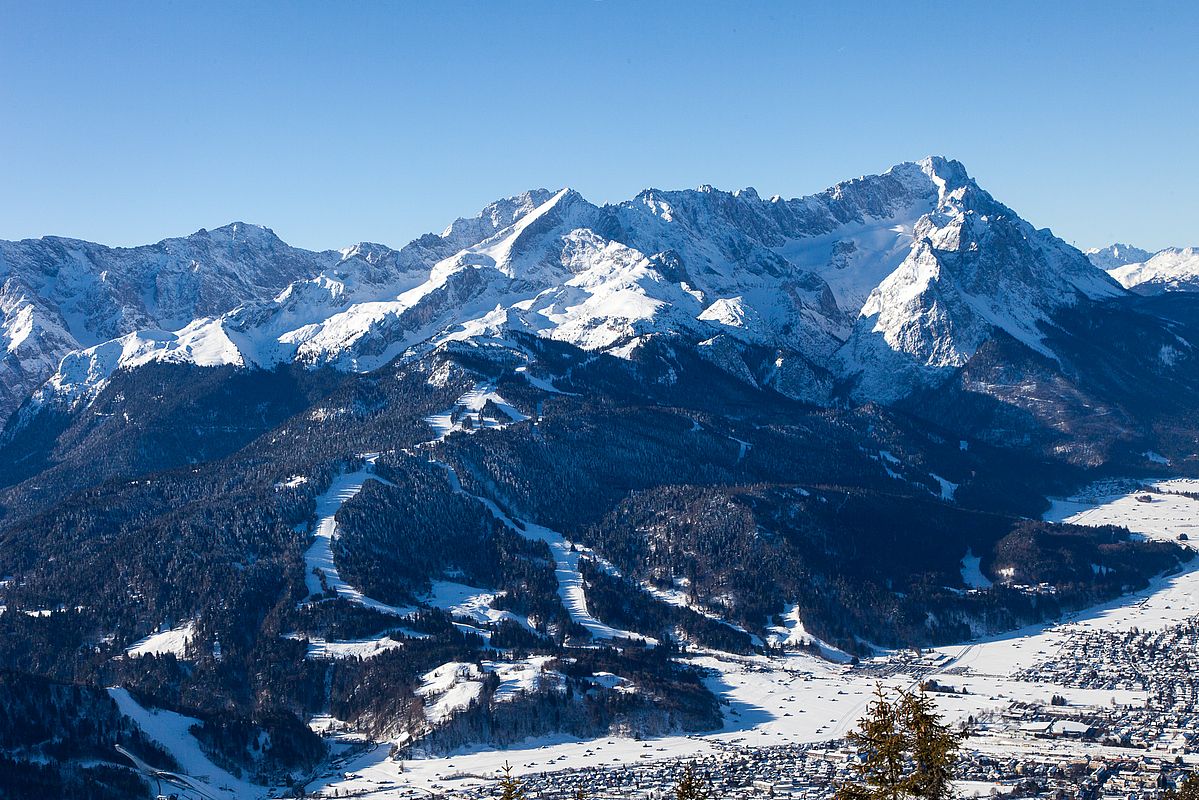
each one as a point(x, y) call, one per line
point(934, 747)
point(1187, 789)
point(906, 751)
point(883, 746)
point(692, 785)
point(510, 787)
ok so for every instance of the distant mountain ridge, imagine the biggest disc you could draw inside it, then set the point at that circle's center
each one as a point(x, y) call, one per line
point(1174, 269)
point(881, 284)
point(59, 295)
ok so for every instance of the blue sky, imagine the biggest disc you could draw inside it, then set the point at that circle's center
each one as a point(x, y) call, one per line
point(339, 122)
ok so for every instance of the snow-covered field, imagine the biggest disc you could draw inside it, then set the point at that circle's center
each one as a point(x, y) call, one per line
point(172, 731)
point(172, 641)
point(471, 404)
point(350, 648)
point(1167, 515)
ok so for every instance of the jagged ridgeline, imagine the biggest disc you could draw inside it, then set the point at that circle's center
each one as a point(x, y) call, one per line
point(505, 481)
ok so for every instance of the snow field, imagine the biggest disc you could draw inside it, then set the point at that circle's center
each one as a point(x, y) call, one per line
point(173, 641)
point(172, 731)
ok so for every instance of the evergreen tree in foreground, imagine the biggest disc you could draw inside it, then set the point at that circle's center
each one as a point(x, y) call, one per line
point(1187, 789)
point(692, 785)
point(906, 751)
point(510, 787)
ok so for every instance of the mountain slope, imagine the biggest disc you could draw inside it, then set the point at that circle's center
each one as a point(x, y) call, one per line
point(974, 268)
point(59, 295)
point(523, 477)
point(788, 275)
point(1116, 255)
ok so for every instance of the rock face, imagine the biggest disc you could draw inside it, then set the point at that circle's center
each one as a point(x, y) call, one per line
point(1116, 255)
point(882, 283)
point(974, 268)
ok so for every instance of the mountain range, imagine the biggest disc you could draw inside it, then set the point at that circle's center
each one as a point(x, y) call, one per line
point(870, 289)
point(509, 479)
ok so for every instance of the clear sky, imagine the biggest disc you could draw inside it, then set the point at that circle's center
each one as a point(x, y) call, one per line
point(338, 122)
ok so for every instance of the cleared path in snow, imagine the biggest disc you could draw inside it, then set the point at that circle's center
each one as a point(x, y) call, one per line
point(566, 566)
point(320, 553)
point(173, 732)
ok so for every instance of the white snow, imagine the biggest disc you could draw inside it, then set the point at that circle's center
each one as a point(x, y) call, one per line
point(948, 488)
point(171, 731)
point(320, 553)
point(449, 689)
point(369, 647)
point(869, 253)
point(172, 640)
point(543, 384)
point(972, 574)
point(680, 599)
point(793, 633)
point(1166, 270)
point(1165, 517)
point(472, 403)
point(525, 676)
point(467, 601)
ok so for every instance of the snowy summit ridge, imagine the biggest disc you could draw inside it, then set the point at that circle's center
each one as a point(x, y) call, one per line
point(1173, 269)
point(884, 282)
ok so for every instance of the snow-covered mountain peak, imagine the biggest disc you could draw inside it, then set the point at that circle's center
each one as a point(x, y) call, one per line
point(948, 174)
point(524, 249)
point(1173, 269)
point(369, 252)
point(905, 272)
point(1117, 255)
point(494, 217)
point(234, 234)
point(975, 267)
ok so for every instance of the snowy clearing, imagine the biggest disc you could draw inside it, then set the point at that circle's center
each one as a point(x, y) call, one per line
point(972, 574)
point(470, 406)
point(171, 730)
point(793, 633)
point(349, 648)
point(173, 640)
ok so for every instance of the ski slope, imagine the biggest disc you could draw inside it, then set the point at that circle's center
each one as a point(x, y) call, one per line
point(566, 566)
point(172, 731)
point(319, 555)
point(172, 641)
